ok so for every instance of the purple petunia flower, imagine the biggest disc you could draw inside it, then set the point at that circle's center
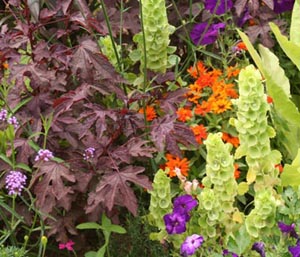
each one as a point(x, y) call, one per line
point(205, 34)
point(3, 115)
point(295, 250)
point(260, 248)
point(190, 245)
point(175, 223)
point(218, 6)
point(44, 155)
point(15, 182)
point(226, 252)
point(281, 6)
point(288, 229)
point(184, 203)
point(89, 153)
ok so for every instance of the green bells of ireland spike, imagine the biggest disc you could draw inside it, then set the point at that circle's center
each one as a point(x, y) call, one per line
point(156, 36)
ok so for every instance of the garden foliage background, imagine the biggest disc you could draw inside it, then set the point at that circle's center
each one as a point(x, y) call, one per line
point(122, 119)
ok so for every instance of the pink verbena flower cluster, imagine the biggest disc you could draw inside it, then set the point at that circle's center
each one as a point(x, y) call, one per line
point(15, 182)
point(44, 155)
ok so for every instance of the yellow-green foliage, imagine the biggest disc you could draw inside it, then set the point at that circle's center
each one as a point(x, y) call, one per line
point(106, 45)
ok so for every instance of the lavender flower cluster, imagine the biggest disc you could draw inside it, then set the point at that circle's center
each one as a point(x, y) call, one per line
point(44, 155)
point(15, 182)
point(10, 120)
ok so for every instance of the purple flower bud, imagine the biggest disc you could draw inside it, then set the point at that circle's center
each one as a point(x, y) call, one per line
point(3, 115)
point(190, 245)
point(260, 248)
point(15, 182)
point(44, 155)
point(13, 121)
point(288, 229)
point(89, 153)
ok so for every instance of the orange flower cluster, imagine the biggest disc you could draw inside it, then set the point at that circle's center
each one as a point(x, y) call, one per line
point(184, 114)
point(211, 92)
point(237, 172)
point(174, 162)
point(150, 112)
point(199, 132)
point(230, 139)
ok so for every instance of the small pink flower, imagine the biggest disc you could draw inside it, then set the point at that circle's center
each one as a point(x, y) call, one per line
point(68, 245)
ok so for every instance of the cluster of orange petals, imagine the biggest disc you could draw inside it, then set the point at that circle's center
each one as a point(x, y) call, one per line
point(237, 172)
point(150, 112)
point(199, 132)
point(184, 114)
point(212, 83)
point(230, 139)
point(174, 162)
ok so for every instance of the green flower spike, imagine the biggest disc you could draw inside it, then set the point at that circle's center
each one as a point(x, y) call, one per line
point(254, 131)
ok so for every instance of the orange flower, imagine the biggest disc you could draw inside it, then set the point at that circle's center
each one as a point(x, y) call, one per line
point(230, 139)
point(203, 108)
point(199, 132)
point(150, 112)
point(184, 114)
point(241, 46)
point(5, 65)
point(237, 172)
point(232, 71)
point(196, 71)
point(174, 162)
point(219, 104)
point(269, 99)
point(279, 167)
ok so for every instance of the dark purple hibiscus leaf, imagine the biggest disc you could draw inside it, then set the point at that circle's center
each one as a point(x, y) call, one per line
point(260, 32)
point(24, 150)
point(240, 6)
point(115, 188)
point(96, 116)
point(269, 3)
point(167, 133)
point(50, 186)
point(172, 99)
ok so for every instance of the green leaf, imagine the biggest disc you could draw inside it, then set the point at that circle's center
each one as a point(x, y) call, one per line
point(20, 104)
point(115, 228)
point(239, 241)
point(291, 173)
point(273, 74)
point(89, 225)
point(295, 24)
point(101, 251)
point(6, 159)
point(90, 254)
point(23, 166)
point(291, 49)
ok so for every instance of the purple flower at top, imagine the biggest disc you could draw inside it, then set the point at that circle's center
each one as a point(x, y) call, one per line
point(15, 182)
point(89, 153)
point(190, 245)
point(205, 34)
point(218, 6)
point(281, 6)
point(295, 250)
point(226, 252)
point(260, 248)
point(3, 115)
point(44, 155)
point(243, 18)
point(288, 229)
point(13, 121)
point(175, 223)
point(184, 203)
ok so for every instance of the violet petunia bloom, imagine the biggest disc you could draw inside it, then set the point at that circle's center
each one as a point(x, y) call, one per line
point(175, 223)
point(281, 6)
point(288, 229)
point(295, 250)
point(15, 182)
point(260, 248)
point(205, 34)
point(184, 203)
point(218, 7)
point(190, 245)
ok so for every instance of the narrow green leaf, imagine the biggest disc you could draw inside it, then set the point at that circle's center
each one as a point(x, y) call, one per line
point(101, 251)
point(23, 166)
point(115, 228)
point(6, 159)
point(291, 173)
point(90, 254)
point(22, 103)
point(295, 24)
point(89, 225)
point(291, 49)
